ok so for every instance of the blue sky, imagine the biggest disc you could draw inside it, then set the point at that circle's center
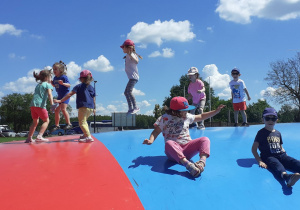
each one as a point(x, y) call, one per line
point(171, 35)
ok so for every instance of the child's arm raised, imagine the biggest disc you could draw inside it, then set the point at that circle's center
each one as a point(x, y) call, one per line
point(207, 115)
point(255, 154)
point(153, 136)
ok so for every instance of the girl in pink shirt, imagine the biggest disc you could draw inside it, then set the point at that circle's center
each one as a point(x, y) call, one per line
point(196, 92)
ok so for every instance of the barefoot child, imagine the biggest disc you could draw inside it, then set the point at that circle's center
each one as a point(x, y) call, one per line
point(179, 146)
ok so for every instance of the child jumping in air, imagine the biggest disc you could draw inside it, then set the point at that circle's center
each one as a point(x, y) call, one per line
point(62, 87)
point(85, 103)
point(42, 92)
point(238, 90)
point(272, 155)
point(179, 146)
point(196, 92)
point(131, 61)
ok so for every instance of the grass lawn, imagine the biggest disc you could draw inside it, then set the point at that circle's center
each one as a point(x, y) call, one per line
point(8, 139)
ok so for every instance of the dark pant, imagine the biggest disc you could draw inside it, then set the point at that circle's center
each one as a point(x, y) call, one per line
point(279, 163)
point(128, 94)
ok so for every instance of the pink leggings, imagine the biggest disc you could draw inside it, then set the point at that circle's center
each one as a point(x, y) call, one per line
point(176, 152)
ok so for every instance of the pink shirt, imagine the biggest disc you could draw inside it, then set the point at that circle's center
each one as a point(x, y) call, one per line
point(193, 90)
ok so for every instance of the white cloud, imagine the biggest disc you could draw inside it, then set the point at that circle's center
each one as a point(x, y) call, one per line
point(166, 53)
point(143, 104)
point(22, 85)
point(269, 91)
point(210, 29)
point(101, 64)
point(14, 56)
point(219, 82)
point(149, 112)
point(241, 11)
point(137, 92)
point(9, 29)
point(73, 70)
point(159, 32)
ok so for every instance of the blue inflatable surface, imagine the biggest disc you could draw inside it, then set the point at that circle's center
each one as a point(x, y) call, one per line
point(231, 180)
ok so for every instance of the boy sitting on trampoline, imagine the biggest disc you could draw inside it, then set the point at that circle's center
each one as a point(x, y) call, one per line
point(272, 155)
point(179, 146)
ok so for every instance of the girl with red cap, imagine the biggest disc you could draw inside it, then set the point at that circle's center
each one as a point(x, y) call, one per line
point(85, 103)
point(131, 61)
point(179, 146)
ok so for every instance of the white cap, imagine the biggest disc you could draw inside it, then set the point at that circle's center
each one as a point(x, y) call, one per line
point(192, 71)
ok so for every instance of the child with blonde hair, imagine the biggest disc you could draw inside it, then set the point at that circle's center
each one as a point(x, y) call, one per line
point(131, 61)
point(42, 92)
point(85, 103)
point(62, 87)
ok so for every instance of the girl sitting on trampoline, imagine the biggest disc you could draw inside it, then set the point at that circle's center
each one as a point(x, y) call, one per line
point(179, 146)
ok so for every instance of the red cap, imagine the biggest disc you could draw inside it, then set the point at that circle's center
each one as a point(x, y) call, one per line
point(127, 42)
point(180, 104)
point(85, 73)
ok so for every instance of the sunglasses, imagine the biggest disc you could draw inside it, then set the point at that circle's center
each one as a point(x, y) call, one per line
point(271, 118)
point(235, 73)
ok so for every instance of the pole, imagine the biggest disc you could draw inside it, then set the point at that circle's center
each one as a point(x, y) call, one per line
point(209, 99)
point(95, 81)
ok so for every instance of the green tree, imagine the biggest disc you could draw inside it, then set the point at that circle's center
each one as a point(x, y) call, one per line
point(254, 111)
point(284, 77)
point(15, 111)
point(144, 121)
point(287, 113)
point(157, 111)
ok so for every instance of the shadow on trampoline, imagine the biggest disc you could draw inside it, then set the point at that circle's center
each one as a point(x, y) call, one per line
point(160, 164)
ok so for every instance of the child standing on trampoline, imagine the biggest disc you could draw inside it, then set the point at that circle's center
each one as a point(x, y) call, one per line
point(62, 87)
point(179, 146)
point(238, 90)
point(131, 61)
point(85, 103)
point(42, 92)
point(272, 155)
point(196, 92)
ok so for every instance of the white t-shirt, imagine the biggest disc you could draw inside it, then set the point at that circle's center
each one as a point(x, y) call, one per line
point(175, 128)
point(237, 88)
point(131, 67)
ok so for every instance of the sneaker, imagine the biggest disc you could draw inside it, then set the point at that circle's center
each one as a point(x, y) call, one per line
point(236, 125)
point(129, 112)
point(55, 128)
point(67, 127)
point(136, 110)
point(86, 140)
point(291, 179)
point(82, 137)
point(201, 127)
point(41, 139)
point(245, 124)
point(29, 140)
point(193, 169)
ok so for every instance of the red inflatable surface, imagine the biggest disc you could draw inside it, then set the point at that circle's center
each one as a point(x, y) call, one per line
point(63, 174)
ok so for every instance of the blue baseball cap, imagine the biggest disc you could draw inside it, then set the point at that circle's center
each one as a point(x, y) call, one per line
point(236, 69)
point(269, 111)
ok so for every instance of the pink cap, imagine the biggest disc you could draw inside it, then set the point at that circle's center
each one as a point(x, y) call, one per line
point(85, 73)
point(180, 104)
point(127, 42)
